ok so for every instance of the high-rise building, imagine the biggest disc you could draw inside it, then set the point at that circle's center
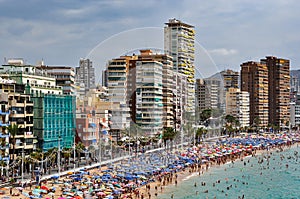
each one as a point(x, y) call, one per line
point(117, 81)
point(85, 74)
point(180, 95)
point(254, 80)
point(279, 90)
point(149, 96)
point(16, 109)
point(168, 83)
point(202, 96)
point(231, 79)
point(53, 112)
point(144, 84)
point(237, 105)
point(208, 93)
point(179, 41)
point(64, 76)
point(295, 111)
point(295, 81)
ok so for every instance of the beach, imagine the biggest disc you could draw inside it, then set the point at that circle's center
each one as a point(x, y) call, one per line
point(149, 175)
point(270, 174)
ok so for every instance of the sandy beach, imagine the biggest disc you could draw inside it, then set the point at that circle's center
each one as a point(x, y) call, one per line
point(150, 187)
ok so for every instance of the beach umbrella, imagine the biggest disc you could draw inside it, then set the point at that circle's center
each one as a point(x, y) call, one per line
point(101, 193)
point(45, 188)
point(54, 177)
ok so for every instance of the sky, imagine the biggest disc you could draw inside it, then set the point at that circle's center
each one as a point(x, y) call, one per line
point(228, 33)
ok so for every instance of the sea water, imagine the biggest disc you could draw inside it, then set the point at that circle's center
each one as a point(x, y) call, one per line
point(272, 175)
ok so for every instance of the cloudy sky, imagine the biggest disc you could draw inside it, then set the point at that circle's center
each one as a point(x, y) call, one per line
point(227, 32)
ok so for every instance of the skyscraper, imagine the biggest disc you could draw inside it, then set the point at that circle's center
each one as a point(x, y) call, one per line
point(254, 79)
point(179, 41)
point(144, 85)
point(117, 81)
point(279, 90)
point(85, 74)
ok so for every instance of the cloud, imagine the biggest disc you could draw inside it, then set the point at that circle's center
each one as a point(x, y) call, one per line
point(223, 51)
point(63, 31)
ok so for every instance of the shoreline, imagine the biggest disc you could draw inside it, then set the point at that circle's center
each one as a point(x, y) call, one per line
point(186, 175)
point(159, 183)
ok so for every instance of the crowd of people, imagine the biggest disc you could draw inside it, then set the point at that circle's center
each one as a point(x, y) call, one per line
point(145, 175)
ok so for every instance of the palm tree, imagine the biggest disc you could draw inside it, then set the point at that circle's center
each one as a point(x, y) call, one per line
point(38, 156)
point(205, 114)
point(199, 133)
point(79, 148)
point(13, 130)
point(168, 134)
point(2, 165)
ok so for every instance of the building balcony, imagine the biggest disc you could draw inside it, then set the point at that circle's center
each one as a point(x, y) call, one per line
point(4, 112)
point(17, 146)
point(86, 138)
point(28, 146)
point(28, 135)
point(89, 130)
point(4, 147)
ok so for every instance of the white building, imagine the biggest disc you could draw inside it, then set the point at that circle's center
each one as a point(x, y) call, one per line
point(238, 105)
point(179, 40)
point(117, 70)
point(38, 80)
point(149, 97)
point(85, 74)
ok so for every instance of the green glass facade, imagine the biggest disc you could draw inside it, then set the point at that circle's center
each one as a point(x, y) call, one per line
point(54, 120)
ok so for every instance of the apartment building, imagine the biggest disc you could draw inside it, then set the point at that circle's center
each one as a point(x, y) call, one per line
point(254, 80)
point(179, 39)
point(149, 96)
point(64, 76)
point(54, 112)
point(279, 90)
point(85, 74)
point(237, 105)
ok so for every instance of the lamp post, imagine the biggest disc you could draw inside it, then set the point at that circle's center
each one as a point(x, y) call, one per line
point(194, 129)
point(58, 156)
point(99, 146)
point(22, 167)
point(42, 165)
point(74, 148)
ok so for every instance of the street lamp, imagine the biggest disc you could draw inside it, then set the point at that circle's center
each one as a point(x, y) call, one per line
point(58, 156)
point(194, 129)
point(74, 156)
point(100, 147)
point(22, 167)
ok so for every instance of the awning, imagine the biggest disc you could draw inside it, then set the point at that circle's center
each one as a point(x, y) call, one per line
point(93, 125)
point(103, 124)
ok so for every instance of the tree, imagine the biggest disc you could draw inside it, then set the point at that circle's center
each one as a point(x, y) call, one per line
point(13, 131)
point(66, 154)
point(199, 133)
point(230, 119)
point(79, 148)
point(3, 164)
point(256, 123)
point(205, 114)
point(168, 134)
